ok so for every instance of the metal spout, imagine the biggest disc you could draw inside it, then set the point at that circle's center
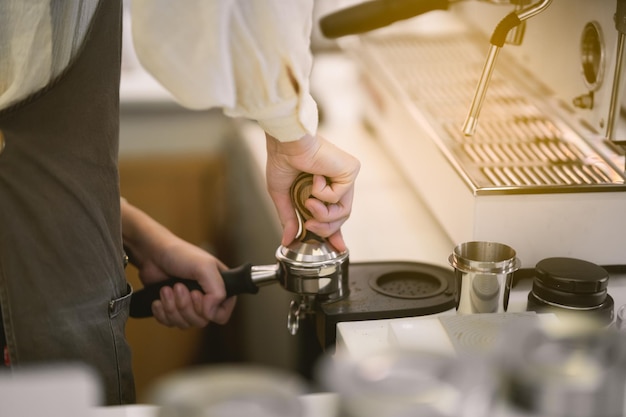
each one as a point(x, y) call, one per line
point(498, 38)
point(620, 26)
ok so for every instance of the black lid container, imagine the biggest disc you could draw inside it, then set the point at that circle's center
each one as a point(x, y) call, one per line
point(573, 286)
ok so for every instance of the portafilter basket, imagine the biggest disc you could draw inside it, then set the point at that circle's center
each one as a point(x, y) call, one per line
point(311, 264)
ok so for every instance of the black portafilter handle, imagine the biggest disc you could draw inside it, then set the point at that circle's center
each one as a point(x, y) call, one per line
point(237, 281)
point(375, 14)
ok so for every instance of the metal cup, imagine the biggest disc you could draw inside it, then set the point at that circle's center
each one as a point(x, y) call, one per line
point(483, 274)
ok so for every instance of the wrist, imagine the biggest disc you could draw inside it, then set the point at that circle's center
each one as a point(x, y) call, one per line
point(307, 144)
point(141, 234)
point(291, 118)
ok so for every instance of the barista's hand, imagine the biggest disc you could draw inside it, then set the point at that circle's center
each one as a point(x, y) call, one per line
point(158, 255)
point(177, 306)
point(333, 185)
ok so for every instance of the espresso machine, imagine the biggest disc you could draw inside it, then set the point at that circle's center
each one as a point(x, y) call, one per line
point(505, 115)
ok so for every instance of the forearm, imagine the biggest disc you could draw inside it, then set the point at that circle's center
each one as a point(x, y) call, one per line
point(159, 254)
point(141, 233)
point(251, 58)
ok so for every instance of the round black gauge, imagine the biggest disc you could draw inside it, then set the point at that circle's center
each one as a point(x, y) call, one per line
point(592, 55)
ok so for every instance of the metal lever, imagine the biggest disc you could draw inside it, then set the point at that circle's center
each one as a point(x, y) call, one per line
point(620, 26)
point(498, 38)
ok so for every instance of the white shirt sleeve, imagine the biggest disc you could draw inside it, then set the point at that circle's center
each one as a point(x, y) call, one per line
point(250, 57)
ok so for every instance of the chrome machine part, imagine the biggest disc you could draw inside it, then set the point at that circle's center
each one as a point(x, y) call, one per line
point(262, 275)
point(310, 266)
point(483, 276)
point(296, 312)
point(620, 25)
point(497, 41)
point(311, 269)
point(298, 309)
point(592, 60)
point(592, 55)
point(516, 34)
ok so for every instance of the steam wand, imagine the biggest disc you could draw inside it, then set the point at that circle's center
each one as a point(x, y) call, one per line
point(498, 38)
point(374, 14)
point(620, 25)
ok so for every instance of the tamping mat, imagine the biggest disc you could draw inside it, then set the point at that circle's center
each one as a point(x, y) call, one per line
point(385, 290)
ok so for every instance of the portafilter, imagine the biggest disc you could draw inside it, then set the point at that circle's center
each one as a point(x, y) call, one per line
point(309, 267)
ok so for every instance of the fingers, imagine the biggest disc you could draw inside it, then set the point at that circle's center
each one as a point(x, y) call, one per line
point(333, 184)
point(179, 307)
point(327, 212)
point(332, 190)
point(330, 207)
point(176, 308)
point(287, 217)
point(329, 217)
point(224, 311)
point(326, 222)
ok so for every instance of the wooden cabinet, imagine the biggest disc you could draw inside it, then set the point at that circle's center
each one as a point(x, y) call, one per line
point(186, 193)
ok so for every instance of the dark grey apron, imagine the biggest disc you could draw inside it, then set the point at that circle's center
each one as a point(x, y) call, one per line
point(63, 292)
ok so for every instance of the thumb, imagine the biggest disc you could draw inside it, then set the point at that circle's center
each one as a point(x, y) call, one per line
point(287, 216)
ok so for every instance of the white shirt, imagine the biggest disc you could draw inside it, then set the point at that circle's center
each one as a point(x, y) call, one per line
point(37, 40)
point(250, 57)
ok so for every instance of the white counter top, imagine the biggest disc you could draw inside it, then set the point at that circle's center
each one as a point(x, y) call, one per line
point(137, 410)
point(313, 405)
